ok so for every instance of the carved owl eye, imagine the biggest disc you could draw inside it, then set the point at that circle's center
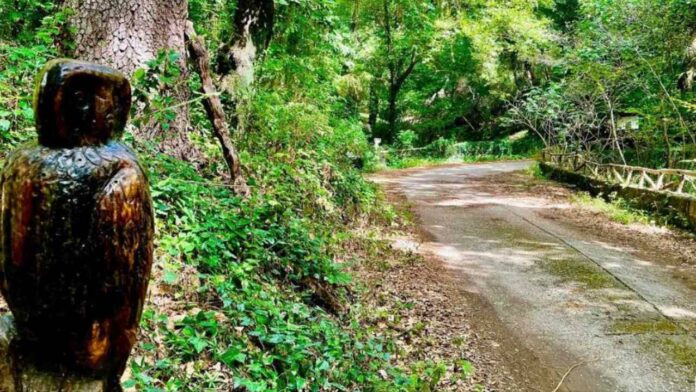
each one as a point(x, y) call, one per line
point(80, 100)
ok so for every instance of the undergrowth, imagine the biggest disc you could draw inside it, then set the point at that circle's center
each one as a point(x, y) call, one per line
point(248, 297)
point(617, 209)
point(404, 156)
point(247, 294)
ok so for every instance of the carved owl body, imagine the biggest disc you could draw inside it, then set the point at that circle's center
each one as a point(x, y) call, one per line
point(76, 249)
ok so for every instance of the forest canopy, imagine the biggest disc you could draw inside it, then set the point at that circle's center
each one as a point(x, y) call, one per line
point(572, 72)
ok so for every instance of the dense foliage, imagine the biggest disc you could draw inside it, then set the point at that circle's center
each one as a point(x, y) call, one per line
point(611, 78)
point(246, 294)
point(619, 89)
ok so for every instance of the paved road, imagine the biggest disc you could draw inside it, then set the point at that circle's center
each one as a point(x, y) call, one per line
point(568, 297)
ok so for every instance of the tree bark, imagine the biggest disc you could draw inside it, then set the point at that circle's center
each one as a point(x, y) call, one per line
point(392, 111)
point(125, 34)
point(686, 81)
point(397, 76)
point(612, 124)
point(215, 111)
point(396, 82)
point(355, 18)
point(373, 107)
point(253, 25)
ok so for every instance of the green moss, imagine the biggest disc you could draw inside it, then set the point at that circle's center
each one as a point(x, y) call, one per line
point(581, 272)
point(643, 326)
point(682, 350)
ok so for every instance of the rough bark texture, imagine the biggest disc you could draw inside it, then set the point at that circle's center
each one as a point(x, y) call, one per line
point(686, 82)
point(125, 34)
point(215, 111)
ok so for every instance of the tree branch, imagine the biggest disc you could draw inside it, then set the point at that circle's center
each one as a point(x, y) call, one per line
point(407, 72)
point(213, 107)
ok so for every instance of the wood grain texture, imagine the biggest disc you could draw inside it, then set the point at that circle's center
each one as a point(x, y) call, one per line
point(215, 111)
point(76, 237)
point(22, 376)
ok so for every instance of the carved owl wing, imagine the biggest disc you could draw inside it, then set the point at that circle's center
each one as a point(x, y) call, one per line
point(123, 234)
point(124, 223)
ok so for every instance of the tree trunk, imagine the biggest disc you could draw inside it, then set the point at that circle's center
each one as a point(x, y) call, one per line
point(616, 144)
point(253, 30)
point(125, 34)
point(356, 16)
point(373, 108)
point(392, 111)
point(253, 25)
point(396, 82)
point(686, 81)
point(668, 144)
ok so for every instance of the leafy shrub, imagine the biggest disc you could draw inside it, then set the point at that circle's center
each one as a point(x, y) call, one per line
point(406, 139)
point(21, 60)
point(442, 148)
point(260, 329)
point(497, 148)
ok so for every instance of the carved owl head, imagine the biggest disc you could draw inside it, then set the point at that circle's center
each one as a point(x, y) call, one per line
point(80, 104)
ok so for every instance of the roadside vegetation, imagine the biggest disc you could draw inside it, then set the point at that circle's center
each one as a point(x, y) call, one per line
point(617, 209)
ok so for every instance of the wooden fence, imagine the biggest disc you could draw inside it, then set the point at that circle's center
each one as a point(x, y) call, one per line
point(681, 182)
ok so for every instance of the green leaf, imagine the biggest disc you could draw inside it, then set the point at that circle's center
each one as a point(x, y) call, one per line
point(467, 369)
point(198, 343)
point(170, 277)
point(231, 356)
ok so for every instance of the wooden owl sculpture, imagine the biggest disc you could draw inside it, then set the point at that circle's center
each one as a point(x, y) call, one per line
point(77, 225)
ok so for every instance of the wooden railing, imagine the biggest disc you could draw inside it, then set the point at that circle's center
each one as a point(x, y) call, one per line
point(682, 182)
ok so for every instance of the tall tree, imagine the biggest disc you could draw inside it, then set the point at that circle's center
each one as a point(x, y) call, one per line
point(125, 34)
point(252, 30)
point(400, 50)
point(686, 80)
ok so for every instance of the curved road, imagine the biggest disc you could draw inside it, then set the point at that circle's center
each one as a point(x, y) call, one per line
point(570, 300)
